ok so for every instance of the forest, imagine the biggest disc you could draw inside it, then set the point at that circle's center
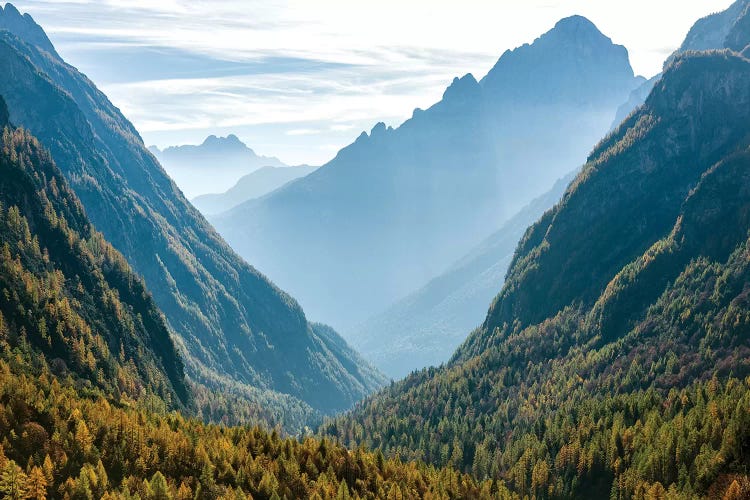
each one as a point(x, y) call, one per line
point(141, 358)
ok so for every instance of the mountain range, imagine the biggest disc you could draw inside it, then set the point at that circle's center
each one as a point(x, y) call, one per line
point(236, 330)
point(89, 376)
point(213, 166)
point(398, 206)
point(249, 187)
point(613, 362)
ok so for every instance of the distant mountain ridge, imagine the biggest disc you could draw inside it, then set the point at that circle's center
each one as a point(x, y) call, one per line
point(251, 186)
point(410, 201)
point(234, 327)
point(425, 328)
point(213, 166)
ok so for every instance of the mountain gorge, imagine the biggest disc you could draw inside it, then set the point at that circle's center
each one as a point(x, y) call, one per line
point(398, 206)
point(88, 372)
point(235, 329)
point(597, 311)
point(613, 361)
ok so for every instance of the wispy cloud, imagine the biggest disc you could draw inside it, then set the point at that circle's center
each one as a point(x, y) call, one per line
point(274, 71)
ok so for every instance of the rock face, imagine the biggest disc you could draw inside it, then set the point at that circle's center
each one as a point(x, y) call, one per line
point(398, 206)
point(25, 28)
point(712, 31)
point(729, 29)
point(213, 166)
point(234, 327)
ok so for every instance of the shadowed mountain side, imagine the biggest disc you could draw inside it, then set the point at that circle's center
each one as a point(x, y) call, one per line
point(67, 294)
point(232, 324)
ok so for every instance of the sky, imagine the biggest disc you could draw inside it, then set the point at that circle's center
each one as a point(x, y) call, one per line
point(300, 79)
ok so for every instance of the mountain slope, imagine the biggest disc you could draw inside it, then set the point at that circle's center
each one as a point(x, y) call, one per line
point(409, 202)
point(723, 30)
point(232, 325)
point(88, 370)
point(426, 327)
point(607, 364)
point(67, 293)
point(251, 186)
point(213, 166)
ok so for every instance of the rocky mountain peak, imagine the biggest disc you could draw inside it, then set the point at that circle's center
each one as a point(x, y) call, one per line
point(462, 88)
point(554, 62)
point(23, 26)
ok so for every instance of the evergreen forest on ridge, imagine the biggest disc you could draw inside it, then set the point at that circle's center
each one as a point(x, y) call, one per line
point(506, 296)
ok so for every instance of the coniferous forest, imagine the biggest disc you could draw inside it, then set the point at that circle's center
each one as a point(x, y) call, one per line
point(142, 358)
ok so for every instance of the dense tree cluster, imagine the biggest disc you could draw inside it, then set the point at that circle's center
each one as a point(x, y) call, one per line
point(68, 293)
point(59, 442)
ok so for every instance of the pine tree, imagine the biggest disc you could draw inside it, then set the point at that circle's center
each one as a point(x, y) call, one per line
point(12, 482)
point(159, 487)
point(36, 484)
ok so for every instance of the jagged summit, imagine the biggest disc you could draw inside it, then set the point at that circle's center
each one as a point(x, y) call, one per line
point(712, 31)
point(552, 66)
point(577, 26)
point(229, 142)
point(462, 88)
point(23, 26)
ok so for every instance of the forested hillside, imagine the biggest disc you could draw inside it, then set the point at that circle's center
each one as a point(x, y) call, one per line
point(67, 293)
point(88, 372)
point(236, 330)
point(613, 362)
point(60, 442)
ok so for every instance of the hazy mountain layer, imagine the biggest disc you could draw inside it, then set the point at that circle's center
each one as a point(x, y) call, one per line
point(213, 166)
point(397, 207)
point(249, 187)
point(425, 328)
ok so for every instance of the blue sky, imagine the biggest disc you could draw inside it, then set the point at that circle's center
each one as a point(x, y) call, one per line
point(299, 79)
